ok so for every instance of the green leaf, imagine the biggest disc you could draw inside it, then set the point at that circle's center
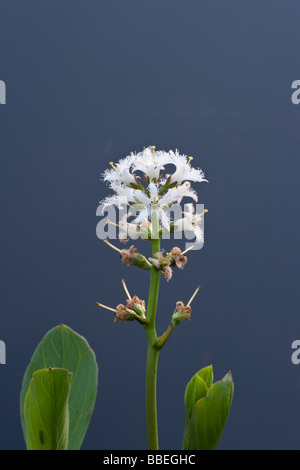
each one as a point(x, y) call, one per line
point(196, 388)
point(205, 423)
point(46, 410)
point(207, 375)
point(62, 347)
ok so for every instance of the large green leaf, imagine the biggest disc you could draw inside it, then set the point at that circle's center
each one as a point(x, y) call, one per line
point(64, 348)
point(205, 420)
point(46, 410)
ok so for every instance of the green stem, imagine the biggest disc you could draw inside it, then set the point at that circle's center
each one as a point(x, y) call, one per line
point(152, 352)
point(161, 341)
point(151, 410)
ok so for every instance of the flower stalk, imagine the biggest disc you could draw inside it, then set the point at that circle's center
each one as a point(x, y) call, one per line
point(152, 351)
point(140, 182)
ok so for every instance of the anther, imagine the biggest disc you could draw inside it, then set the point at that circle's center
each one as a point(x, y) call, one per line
point(153, 150)
point(113, 166)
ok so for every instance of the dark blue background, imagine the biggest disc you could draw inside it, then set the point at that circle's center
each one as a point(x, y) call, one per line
point(87, 83)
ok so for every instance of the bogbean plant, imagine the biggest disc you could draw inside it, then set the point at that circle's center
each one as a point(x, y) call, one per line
point(60, 384)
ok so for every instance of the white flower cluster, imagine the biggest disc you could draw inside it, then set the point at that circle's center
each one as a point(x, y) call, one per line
point(139, 181)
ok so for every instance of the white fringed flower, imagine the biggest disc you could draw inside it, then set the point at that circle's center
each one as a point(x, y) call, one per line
point(150, 162)
point(184, 171)
point(191, 222)
point(139, 181)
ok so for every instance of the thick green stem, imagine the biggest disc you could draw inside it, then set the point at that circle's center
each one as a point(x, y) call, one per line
point(152, 352)
point(151, 409)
